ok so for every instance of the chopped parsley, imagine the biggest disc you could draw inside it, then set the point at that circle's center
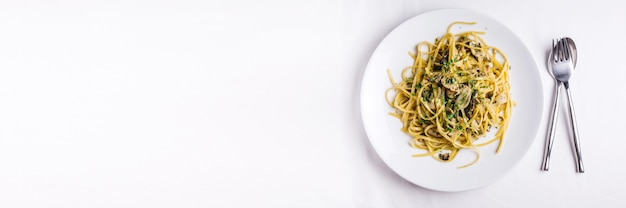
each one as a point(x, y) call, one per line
point(448, 64)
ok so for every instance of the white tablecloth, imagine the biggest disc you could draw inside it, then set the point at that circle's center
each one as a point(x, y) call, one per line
point(256, 104)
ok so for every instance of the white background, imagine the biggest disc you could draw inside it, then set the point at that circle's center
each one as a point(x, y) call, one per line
point(256, 104)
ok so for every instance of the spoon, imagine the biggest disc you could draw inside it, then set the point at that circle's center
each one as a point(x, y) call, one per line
point(574, 55)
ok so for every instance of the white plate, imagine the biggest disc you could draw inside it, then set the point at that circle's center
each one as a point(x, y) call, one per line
point(391, 144)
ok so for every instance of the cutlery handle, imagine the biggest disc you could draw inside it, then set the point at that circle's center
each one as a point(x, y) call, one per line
point(578, 156)
point(550, 139)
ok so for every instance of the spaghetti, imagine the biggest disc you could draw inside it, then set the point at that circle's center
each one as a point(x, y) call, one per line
point(456, 90)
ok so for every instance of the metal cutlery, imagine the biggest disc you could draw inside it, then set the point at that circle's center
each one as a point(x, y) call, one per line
point(561, 64)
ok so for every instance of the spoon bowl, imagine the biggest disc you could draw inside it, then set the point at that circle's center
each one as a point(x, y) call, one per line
point(573, 49)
